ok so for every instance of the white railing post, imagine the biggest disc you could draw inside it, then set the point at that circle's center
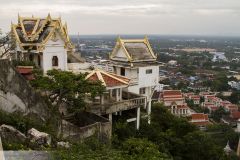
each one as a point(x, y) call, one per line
point(138, 118)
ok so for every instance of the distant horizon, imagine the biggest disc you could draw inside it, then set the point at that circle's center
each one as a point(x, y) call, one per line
point(164, 35)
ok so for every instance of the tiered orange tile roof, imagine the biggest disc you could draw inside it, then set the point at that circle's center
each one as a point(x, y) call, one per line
point(108, 79)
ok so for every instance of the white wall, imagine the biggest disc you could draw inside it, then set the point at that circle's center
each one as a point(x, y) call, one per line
point(147, 80)
point(54, 49)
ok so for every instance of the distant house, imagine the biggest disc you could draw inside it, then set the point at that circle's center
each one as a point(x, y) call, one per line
point(231, 108)
point(188, 95)
point(195, 98)
point(174, 100)
point(213, 99)
point(234, 84)
point(172, 62)
point(225, 103)
point(199, 119)
point(212, 109)
point(180, 110)
point(172, 96)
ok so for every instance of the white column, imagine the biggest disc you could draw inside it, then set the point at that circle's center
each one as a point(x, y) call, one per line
point(149, 111)
point(44, 63)
point(120, 90)
point(138, 118)
point(117, 92)
point(110, 117)
point(1, 151)
point(110, 93)
point(102, 99)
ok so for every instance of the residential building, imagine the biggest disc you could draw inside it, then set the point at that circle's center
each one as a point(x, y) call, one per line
point(234, 84)
point(195, 98)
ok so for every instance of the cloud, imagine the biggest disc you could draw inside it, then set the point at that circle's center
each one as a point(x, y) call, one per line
point(140, 16)
point(210, 12)
point(81, 9)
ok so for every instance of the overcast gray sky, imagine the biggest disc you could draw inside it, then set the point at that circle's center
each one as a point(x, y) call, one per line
point(199, 17)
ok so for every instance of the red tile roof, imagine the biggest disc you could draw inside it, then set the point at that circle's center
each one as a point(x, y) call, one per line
point(232, 107)
point(199, 116)
point(167, 93)
point(108, 79)
point(26, 71)
point(199, 119)
point(235, 115)
point(195, 97)
point(182, 107)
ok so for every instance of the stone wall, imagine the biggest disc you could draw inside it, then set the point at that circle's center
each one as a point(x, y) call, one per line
point(94, 126)
point(16, 94)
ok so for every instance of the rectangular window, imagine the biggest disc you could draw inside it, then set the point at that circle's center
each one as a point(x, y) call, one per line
point(142, 91)
point(149, 71)
point(122, 71)
point(114, 69)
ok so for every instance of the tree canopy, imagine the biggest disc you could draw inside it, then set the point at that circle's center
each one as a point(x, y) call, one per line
point(67, 87)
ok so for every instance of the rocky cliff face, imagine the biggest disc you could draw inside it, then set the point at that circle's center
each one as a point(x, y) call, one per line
point(17, 95)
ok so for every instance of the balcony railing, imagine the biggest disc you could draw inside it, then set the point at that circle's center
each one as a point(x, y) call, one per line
point(123, 105)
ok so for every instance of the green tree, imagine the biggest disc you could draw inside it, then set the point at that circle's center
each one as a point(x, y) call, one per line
point(67, 87)
point(219, 113)
point(199, 146)
point(142, 149)
point(235, 97)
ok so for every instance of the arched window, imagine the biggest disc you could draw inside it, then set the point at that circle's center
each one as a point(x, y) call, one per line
point(55, 61)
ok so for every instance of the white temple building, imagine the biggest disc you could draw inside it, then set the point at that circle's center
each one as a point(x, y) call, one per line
point(134, 59)
point(45, 41)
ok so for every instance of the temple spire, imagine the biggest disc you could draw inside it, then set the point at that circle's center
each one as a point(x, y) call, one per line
point(146, 37)
point(118, 38)
point(18, 17)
